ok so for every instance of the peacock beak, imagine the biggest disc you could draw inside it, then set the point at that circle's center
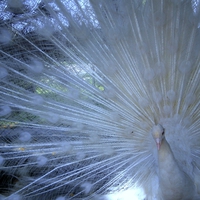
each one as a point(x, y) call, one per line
point(158, 143)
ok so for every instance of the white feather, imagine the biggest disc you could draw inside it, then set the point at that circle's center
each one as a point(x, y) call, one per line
point(82, 84)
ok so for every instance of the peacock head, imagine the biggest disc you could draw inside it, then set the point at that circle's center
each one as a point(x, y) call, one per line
point(158, 133)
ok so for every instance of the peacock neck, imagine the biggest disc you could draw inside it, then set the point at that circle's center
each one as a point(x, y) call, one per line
point(165, 157)
point(165, 151)
point(171, 178)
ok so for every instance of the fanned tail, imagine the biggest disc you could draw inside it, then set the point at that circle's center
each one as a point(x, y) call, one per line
point(82, 84)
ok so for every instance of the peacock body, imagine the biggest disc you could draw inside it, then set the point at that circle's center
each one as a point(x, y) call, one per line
point(84, 83)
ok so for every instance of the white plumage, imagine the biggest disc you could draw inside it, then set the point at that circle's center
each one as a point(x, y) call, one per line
point(173, 182)
point(85, 85)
